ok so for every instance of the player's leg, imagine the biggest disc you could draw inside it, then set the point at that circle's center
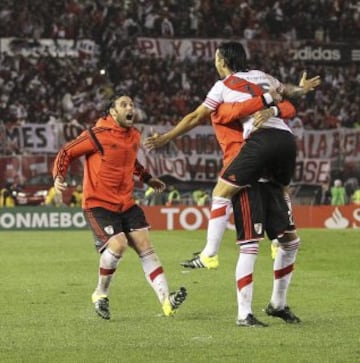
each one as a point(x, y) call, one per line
point(139, 239)
point(249, 228)
point(280, 224)
point(283, 270)
point(245, 168)
point(221, 208)
point(111, 243)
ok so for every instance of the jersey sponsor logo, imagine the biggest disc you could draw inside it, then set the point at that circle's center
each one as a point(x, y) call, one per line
point(109, 230)
point(258, 227)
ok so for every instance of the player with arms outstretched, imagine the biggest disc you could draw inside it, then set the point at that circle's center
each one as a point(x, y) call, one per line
point(110, 149)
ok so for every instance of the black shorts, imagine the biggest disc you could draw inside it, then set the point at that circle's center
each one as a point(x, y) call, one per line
point(105, 224)
point(269, 153)
point(261, 208)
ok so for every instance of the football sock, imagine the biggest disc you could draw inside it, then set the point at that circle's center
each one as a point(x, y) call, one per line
point(244, 277)
point(220, 213)
point(109, 262)
point(154, 273)
point(283, 269)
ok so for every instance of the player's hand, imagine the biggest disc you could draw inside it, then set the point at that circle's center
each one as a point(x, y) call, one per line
point(275, 94)
point(309, 84)
point(59, 184)
point(156, 140)
point(261, 116)
point(157, 184)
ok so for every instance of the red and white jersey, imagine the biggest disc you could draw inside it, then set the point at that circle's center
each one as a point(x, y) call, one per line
point(241, 86)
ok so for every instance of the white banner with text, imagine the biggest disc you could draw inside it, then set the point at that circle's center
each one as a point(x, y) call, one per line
point(196, 155)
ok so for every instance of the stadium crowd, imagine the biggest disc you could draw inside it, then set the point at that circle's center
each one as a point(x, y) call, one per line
point(53, 89)
point(329, 20)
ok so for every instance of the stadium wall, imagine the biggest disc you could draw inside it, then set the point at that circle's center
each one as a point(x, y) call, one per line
point(170, 218)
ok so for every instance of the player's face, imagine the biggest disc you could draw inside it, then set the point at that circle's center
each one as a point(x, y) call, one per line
point(123, 111)
point(220, 64)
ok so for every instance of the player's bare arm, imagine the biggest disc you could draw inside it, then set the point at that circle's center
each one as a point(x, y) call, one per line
point(262, 116)
point(189, 122)
point(229, 112)
point(284, 109)
point(305, 85)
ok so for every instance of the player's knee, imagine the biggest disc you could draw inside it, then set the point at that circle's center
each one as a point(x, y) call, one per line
point(118, 243)
point(224, 190)
point(289, 241)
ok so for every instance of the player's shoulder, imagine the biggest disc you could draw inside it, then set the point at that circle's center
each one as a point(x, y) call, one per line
point(252, 73)
point(219, 83)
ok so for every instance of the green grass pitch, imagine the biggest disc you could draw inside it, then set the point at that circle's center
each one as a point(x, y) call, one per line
point(46, 314)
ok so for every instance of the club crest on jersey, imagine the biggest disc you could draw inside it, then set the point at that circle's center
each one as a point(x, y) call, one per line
point(109, 230)
point(258, 228)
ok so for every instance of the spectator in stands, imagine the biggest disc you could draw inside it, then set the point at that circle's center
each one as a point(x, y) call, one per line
point(7, 195)
point(338, 20)
point(152, 197)
point(355, 198)
point(325, 197)
point(53, 198)
point(149, 195)
point(338, 193)
point(200, 197)
point(76, 197)
point(174, 197)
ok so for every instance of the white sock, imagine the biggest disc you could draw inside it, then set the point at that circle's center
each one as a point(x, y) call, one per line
point(154, 274)
point(283, 269)
point(108, 264)
point(219, 218)
point(244, 278)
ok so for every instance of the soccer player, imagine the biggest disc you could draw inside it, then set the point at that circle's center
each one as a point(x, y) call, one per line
point(110, 149)
point(259, 157)
point(248, 90)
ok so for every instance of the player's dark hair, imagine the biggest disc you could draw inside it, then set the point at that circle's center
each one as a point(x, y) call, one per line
point(234, 56)
point(110, 103)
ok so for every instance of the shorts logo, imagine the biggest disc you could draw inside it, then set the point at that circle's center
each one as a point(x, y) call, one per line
point(258, 228)
point(109, 230)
